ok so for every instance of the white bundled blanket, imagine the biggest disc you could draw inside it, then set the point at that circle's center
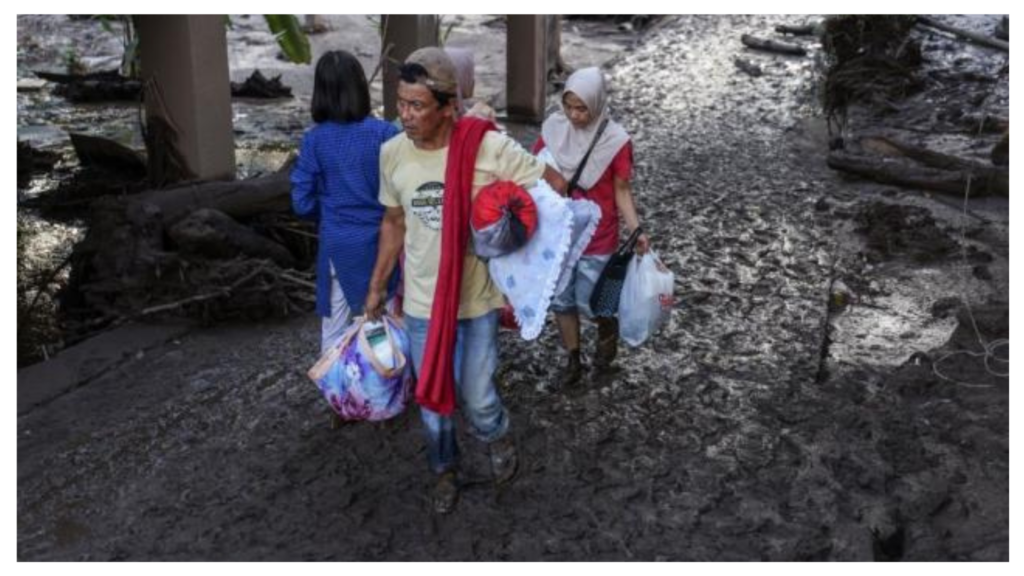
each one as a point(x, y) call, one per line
point(531, 276)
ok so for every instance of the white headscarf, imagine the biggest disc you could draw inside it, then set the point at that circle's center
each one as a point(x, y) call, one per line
point(568, 144)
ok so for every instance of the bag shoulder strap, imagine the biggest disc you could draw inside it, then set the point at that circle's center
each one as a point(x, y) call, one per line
point(630, 244)
point(583, 163)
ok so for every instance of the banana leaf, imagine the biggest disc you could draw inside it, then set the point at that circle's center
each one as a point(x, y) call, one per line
point(290, 37)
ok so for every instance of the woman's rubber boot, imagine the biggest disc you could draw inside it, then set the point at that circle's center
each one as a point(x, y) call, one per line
point(607, 343)
point(573, 371)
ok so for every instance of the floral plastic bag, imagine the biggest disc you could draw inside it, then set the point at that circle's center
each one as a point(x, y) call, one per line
point(647, 298)
point(368, 375)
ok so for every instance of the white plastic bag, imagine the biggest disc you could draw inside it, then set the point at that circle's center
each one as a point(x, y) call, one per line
point(647, 298)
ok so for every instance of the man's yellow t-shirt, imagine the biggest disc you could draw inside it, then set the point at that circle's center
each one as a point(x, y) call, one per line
point(414, 179)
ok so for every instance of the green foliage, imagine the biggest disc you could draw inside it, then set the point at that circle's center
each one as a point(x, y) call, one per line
point(290, 37)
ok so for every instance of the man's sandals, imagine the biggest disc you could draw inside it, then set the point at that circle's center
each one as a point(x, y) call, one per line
point(446, 493)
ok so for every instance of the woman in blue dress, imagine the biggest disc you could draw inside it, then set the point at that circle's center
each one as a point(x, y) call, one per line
point(335, 182)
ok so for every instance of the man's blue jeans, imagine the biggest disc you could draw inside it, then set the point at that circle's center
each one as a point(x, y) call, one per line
point(476, 359)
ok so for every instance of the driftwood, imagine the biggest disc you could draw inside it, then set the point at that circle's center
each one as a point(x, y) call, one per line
point(259, 86)
point(890, 147)
point(893, 171)
point(106, 86)
point(239, 199)
point(100, 91)
point(93, 151)
point(979, 39)
point(801, 30)
point(748, 67)
point(102, 76)
point(213, 234)
point(772, 46)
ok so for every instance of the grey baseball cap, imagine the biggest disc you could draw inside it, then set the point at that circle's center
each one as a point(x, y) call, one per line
point(441, 74)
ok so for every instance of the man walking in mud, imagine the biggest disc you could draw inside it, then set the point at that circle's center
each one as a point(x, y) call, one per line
point(429, 176)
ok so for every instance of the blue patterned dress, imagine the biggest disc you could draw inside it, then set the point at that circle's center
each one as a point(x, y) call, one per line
point(335, 181)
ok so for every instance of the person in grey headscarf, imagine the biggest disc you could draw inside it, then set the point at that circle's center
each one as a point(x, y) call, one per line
point(465, 74)
point(605, 179)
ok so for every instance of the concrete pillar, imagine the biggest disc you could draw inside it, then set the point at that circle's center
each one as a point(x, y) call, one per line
point(553, 64)
point(315, 24)
point(526, 76)
point(404, 34)
point(188, 57)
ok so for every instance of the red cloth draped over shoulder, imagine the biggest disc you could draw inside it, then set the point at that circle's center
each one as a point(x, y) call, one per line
point(435, 387)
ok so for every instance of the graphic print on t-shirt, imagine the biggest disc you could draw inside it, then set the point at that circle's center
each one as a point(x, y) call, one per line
point(426, 203)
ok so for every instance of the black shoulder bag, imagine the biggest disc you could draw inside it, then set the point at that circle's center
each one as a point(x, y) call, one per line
point(604, 300)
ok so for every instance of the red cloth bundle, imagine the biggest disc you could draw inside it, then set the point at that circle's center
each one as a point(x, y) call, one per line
point(504, 218)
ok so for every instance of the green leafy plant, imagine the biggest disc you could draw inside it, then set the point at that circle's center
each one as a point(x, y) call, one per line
point(290, 37)
point(286, 30)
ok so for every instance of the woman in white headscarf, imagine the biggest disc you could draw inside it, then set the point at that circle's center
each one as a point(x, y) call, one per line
point(605, 179)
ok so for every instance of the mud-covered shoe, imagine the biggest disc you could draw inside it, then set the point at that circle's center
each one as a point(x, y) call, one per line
point(504, 459)
point(446, 493)
point(607, 342)
point(572, 373)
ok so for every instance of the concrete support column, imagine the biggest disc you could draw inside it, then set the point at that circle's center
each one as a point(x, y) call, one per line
point(526, 76)
point(188, 58)
point(315, 23)
point(403, 35)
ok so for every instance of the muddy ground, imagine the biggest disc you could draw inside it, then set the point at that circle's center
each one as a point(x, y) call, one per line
point(801, 404)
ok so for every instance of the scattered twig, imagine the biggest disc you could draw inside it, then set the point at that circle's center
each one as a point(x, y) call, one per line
point(965, 34)
point(804, 30)
point(41, 288)
point(294, 280)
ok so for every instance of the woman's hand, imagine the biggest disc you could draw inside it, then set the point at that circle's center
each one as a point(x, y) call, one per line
point(643, 244)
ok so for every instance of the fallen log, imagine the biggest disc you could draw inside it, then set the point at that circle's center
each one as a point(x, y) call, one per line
point(107, 154)
point(239, 199)
point(57, 77)
point(891, 171)
point(105, 86)
point(748, 67)
point(772, 46)
point(259, 86)
point(979, 39)
point(890, 147)
point(799, 30)
point(213, 234)
point(100, 91)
